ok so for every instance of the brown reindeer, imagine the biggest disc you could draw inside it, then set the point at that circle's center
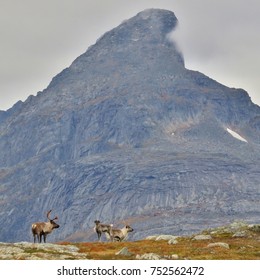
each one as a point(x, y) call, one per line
point(40, 229)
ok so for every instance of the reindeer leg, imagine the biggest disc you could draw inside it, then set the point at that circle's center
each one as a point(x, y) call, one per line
point(99, 236)
point(44, 238)
point(108, 236)
point(111, 235)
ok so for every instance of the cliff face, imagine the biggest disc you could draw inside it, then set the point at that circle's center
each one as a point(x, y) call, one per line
point(126, 133)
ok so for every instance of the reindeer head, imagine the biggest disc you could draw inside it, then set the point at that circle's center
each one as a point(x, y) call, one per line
point(128, 228)
point(54, 225)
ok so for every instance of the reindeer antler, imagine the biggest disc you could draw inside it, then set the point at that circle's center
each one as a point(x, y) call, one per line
point(48, 215)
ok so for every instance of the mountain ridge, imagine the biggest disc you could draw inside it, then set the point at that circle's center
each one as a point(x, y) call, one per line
point(127, 132)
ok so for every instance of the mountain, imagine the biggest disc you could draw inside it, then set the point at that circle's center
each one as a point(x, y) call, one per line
point(127, 134)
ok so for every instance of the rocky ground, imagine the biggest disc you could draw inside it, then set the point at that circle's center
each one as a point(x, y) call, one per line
point(235, 241)
point(48, 251)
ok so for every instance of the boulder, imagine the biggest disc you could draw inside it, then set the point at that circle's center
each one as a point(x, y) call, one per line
point(202, 237)
point(124, 252)
point(172, 241)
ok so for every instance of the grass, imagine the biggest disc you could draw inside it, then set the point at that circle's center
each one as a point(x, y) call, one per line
point(241, 248)
point(245, 247)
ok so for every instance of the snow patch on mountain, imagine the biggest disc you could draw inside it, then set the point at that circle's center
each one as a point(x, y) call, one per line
point(236, 135)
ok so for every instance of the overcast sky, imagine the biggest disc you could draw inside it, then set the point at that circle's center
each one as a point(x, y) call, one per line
point(220, 38)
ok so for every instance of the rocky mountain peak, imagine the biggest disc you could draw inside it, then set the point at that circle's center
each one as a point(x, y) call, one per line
point(152, 25)
point(141, 39)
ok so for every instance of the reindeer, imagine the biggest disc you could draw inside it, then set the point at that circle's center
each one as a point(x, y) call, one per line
point(40, 229)
point(120, 234)
point(102, 228)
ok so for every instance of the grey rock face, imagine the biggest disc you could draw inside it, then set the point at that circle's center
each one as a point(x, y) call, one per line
point(127, 134)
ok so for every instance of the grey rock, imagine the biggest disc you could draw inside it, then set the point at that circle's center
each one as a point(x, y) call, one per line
point(124, 252)
point(175, 257)
point(172, 241)
point(152, 237)
point(238, 225)
point(31, 251)
point(254, 228)
point(166, 237)
point(235, 229)
point(240, 234)
point(202, 237)
point(48, 247)
point(126, 131)
point(148, 256)
point(9, 252)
